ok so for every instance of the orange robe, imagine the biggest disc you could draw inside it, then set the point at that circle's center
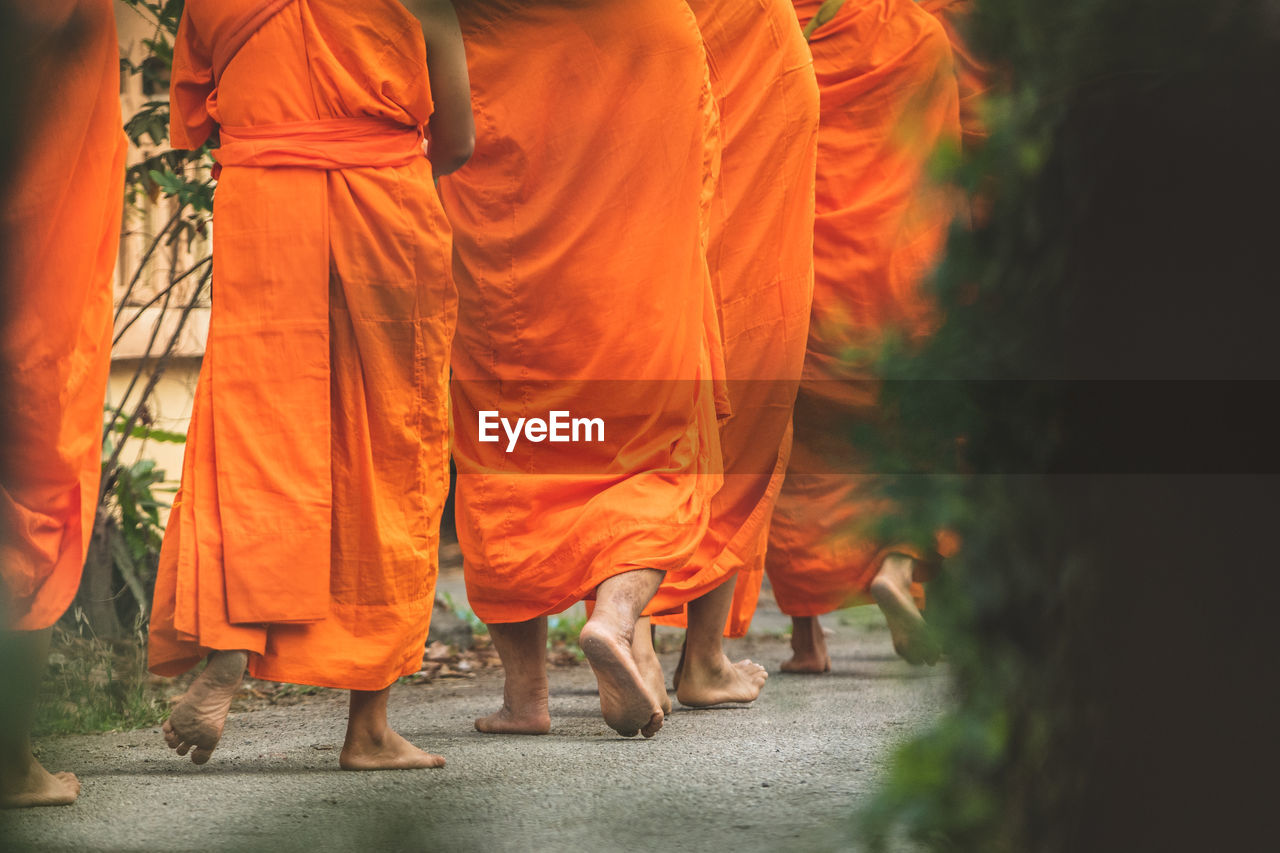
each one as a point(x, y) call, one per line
point(972, 75)
point(761, 258)
point(581, 266)
point(306, 527)
point(61, 227)
point(889, 98)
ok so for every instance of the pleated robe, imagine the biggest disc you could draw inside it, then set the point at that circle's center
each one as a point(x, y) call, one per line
point(580, 239)
point(316, 468)
point(761, 259)
point(888, 100)
point(61, 231)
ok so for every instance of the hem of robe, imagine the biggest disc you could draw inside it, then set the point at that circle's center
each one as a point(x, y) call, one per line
point(744, 555)
point(585, 589)
point(59, 584)
point(741, 554)
point(746, 595)
point(171, 657)
point(49, 607)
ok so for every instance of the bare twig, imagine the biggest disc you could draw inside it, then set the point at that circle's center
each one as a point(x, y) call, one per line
point(146, 257)
point(160, 295)
point(156, 373)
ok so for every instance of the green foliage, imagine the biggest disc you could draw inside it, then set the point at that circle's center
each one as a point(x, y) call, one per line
point(978, 417)
point(132, 529)
point(94, 686)
point(153, 434)
point(183, 175)
point(563, 630)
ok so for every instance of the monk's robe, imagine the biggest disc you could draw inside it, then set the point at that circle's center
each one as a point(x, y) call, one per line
point(580, 228)
point(972, 75)
point(888, 99)
point(61, 227)
point(761, 259)
point(306, 527)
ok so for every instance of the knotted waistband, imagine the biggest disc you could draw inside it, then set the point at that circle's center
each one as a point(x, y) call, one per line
point(341, 143)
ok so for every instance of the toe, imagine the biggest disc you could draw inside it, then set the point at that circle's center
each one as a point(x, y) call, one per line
point(201, 756)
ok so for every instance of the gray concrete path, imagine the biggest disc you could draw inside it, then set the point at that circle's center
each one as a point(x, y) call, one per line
point(782, 774)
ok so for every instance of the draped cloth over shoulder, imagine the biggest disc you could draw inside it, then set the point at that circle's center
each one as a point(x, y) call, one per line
point(61, 230)
point(761, 258)
point(580, 227)
point(316, 466)
point(888, 100)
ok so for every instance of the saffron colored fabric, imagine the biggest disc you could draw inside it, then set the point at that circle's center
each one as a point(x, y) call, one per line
point(888, 100)
point(306, 528)
point(761, 259)
point(972, 74)
point(580, 231)
point(61, 227)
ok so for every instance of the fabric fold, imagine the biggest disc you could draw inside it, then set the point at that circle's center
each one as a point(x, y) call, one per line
point(306, 526)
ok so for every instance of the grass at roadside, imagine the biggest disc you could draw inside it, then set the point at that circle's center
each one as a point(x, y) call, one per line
point(95, 686)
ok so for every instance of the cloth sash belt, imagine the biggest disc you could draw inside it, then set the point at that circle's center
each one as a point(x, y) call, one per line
point(340, 143)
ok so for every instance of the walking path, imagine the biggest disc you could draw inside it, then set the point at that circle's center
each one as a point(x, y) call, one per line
point(783, 774)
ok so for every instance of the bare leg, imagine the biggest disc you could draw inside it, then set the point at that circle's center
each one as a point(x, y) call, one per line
point(23, 781)
point(707, 676)
point(522, 646)
point(197, 720)
point(650, 667)
point(892, 591)
point(808, 647)
point(675, 676)
point(625, 700)
point(371, 744)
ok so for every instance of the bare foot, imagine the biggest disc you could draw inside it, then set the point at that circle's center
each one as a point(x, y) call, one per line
point(522, 646)
point(891, 589)
point(530, 719)
point(36, 786)
point(808, 647)
point(197, 720)
point(650, 667)
point(386, 750)
point(625, 700)
point(703, 685)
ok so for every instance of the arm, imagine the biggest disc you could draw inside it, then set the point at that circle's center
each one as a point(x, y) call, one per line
point(452, 127)
point(190, 83)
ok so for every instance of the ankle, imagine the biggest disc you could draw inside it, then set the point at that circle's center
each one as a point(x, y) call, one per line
point(225, 669)
point(705, 660)
point(367, 732)
point(525, 693)
point(16, 762)
point(615, 625)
